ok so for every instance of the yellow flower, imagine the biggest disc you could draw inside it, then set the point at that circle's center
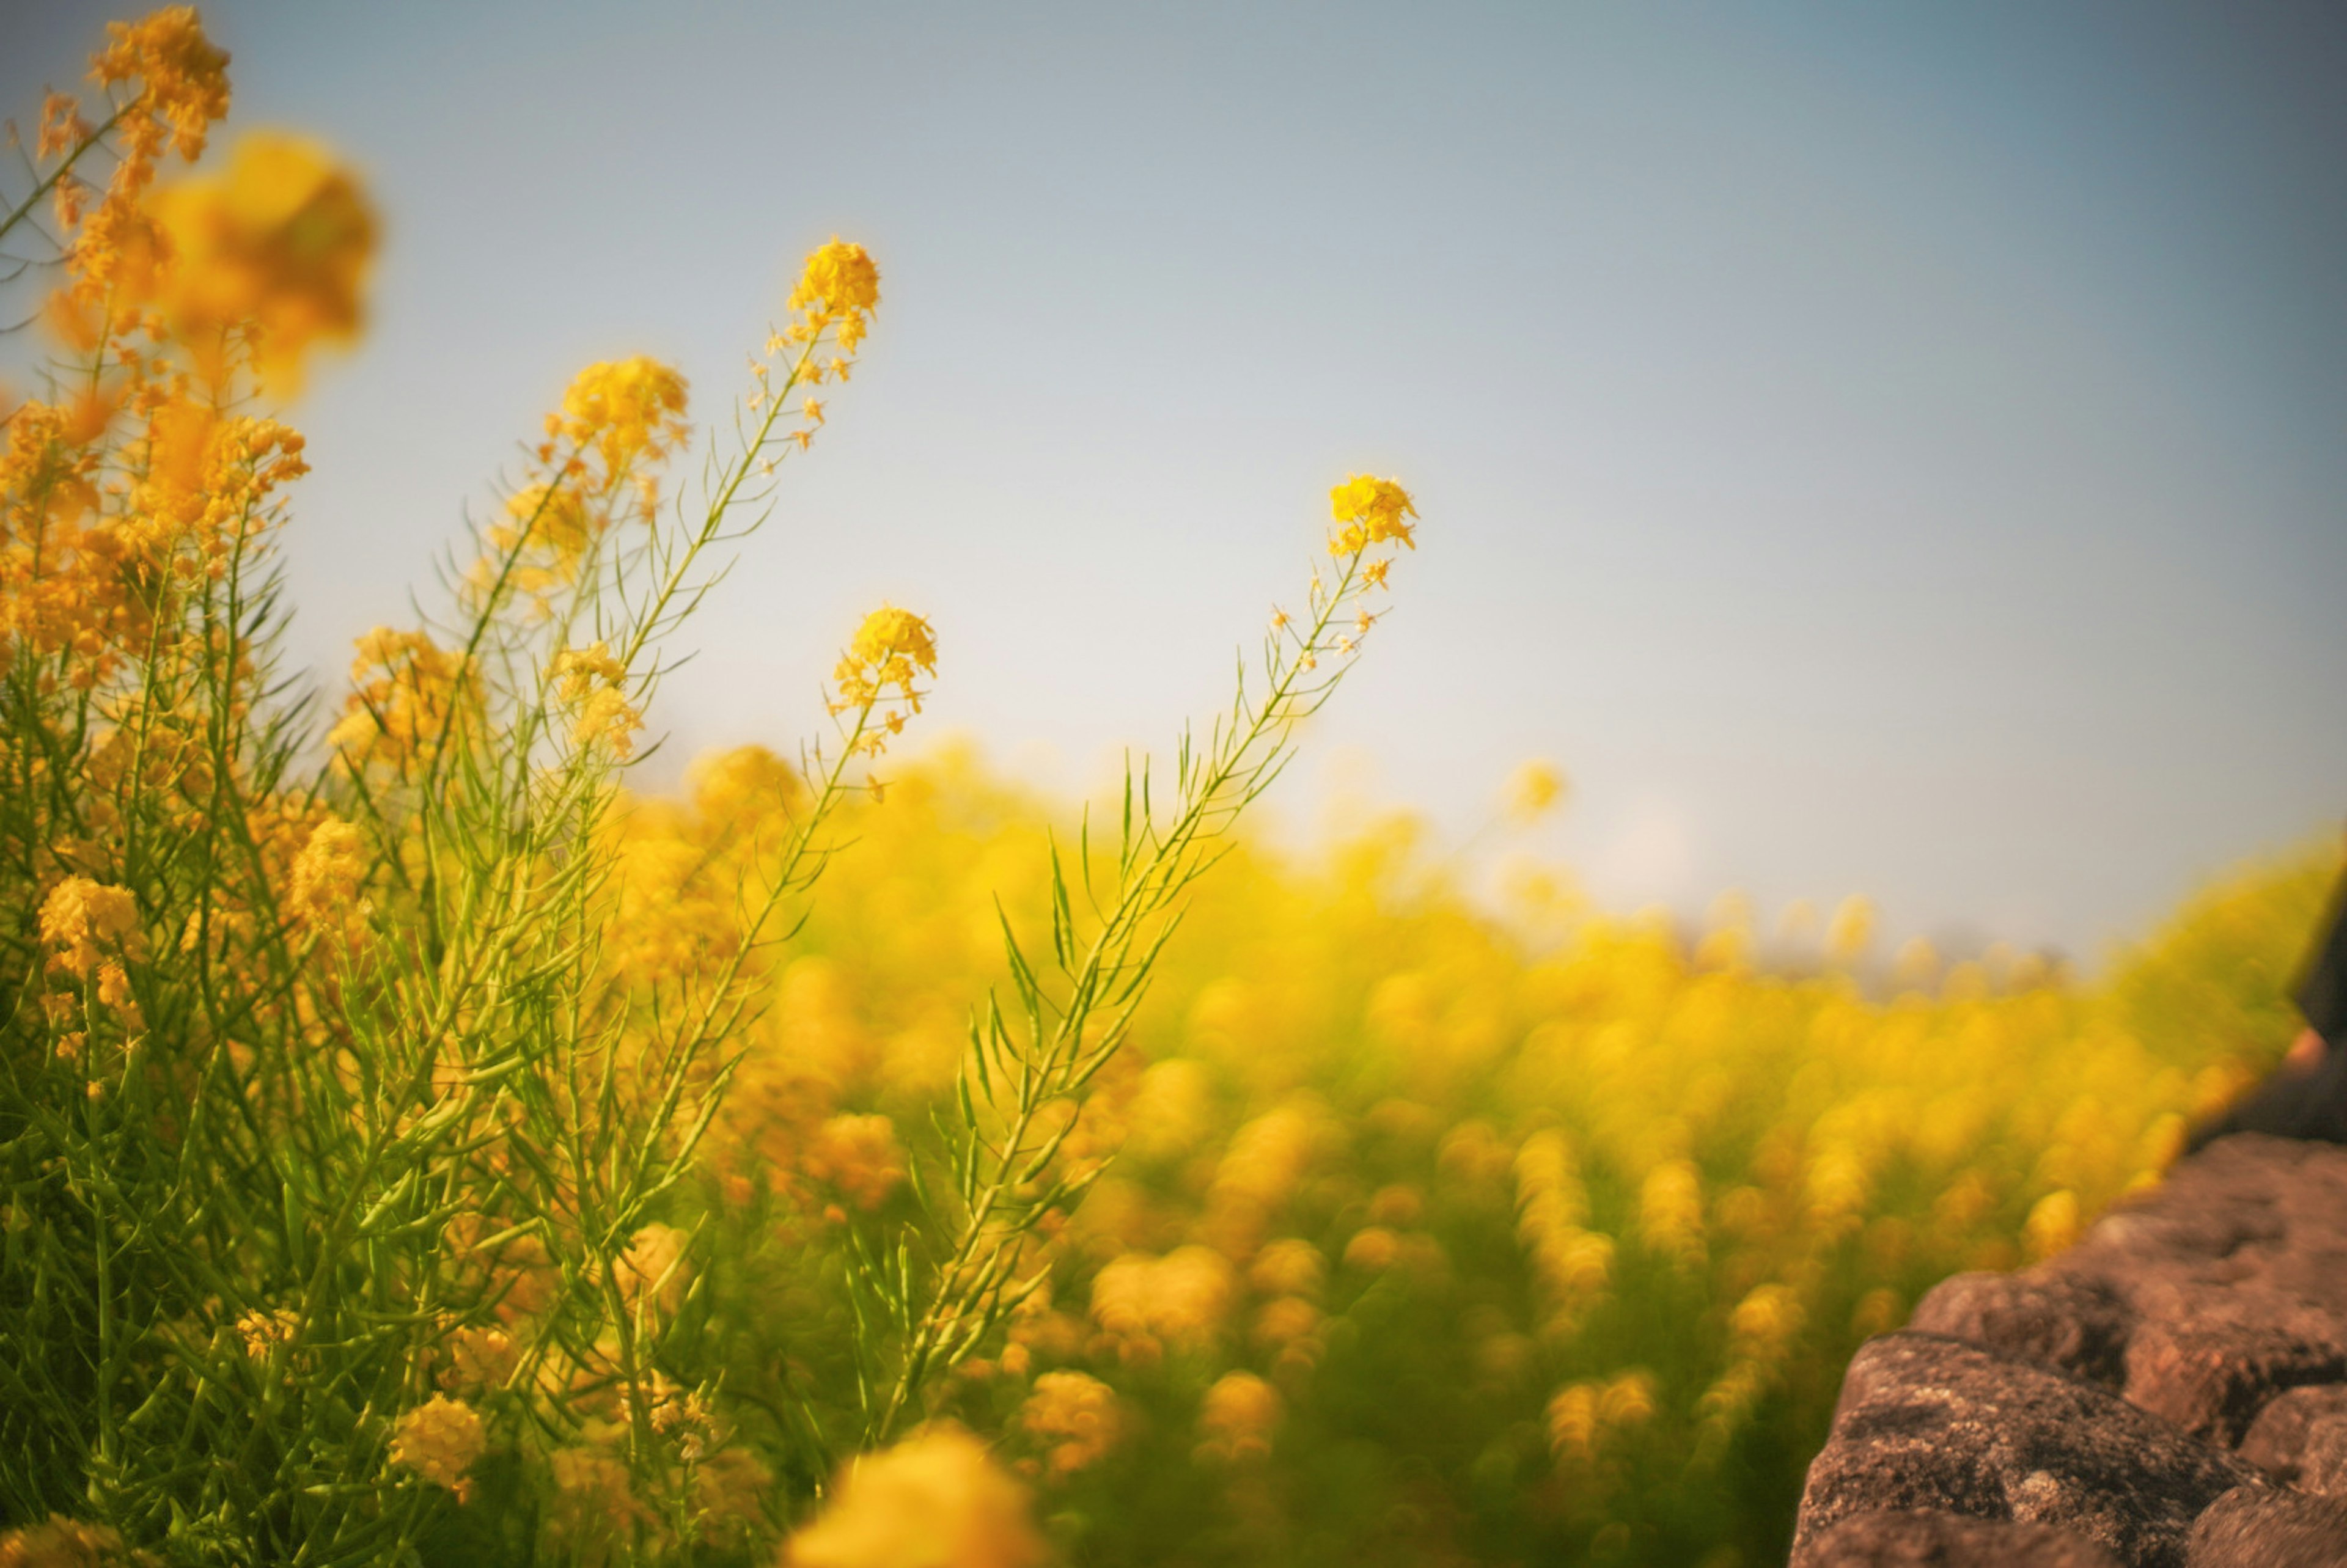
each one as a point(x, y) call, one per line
point(839, 288)
point(326, 875)
point(183, 79)
point(860, 1157)
point(624, 410)
point(890, 648)
point(78, 914)
point(64, 1543)
point(440, 1441)
point(409, 693)
point(280, 244)
point(1533, 789)
point(591, 679)
point(577, 670)
point(1077, 1415)
point(480, 1358)
point(1369, 511)
point(934, 1500)
point(260, 1331)
point(1238, 1418)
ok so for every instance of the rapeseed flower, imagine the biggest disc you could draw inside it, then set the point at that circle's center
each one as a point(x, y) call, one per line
point(839, 288)
point(84, 919)
point(626, 410)
point(937, 1499)
point(276, 247)
point(1077, 1419)
point(1369, 511)
point(440, 1441)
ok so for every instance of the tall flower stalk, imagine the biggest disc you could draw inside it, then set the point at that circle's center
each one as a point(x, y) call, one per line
point(1028, 1067)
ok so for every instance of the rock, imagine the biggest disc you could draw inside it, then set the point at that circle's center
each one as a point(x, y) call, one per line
point(1916, 1538)
point(2211, 1377)
point(1930, 1423)
point(2072, 1325)
point(2269, 1527)
point(2277, 1436)
point(2252, 1231)
point(2322, 1467)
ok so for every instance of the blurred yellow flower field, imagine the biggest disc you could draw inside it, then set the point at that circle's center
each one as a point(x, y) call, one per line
point(422, 1143)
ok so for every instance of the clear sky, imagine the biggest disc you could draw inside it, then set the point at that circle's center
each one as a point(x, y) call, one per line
point(1878, 448)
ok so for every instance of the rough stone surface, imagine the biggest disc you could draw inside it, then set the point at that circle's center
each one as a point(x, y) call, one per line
point(1926, 1422)
point(2212, 1378)
point(1915, 1538)
point(2277, 1436)
point(2322, 1468)
point(2215, 1303)
point(2251, 1232)
point(2078, 1325)
point(2271, 1527)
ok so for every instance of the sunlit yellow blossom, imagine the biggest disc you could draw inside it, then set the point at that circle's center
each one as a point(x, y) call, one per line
point(260, 1332)
point(182, 77)
point(839, 288)
point(328, 872)
point(1238, 1419)
point(892, 648)
point(859, 1157)
point(440, 1441)
point(2053, 1223)
point(934, 1500)
point(1532, 790)
point(1851, 928)
point(626, 410)
point(1076, 1418)
point(1144, 1302)
point(408, 693)
point(480, 1358)
point(1369, 511)
point(279, 243)
point(63, 1542)
point(83, 920)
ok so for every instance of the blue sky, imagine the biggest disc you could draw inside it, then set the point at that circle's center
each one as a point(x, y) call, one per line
point(1870, 449)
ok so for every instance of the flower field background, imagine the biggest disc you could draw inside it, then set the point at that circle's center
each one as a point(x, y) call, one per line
point(422, 1145)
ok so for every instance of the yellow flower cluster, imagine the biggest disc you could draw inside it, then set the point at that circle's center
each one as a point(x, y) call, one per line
point(594, 684)
point(839, 289)
point(63, 1542)
point(276, 246)
point(1076, 1419)
point(1238, 1419)
point(440, 1441)
point(892, 648)
point(857, 1157)
point(1632, 1189)
point(86, 921)
point(407, 695)
point(182, 77)
point(182, 88)
point(626, 410)
point(1145, 1304)
point(327, 874)
point(936, 1499)
point(1369, 511)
